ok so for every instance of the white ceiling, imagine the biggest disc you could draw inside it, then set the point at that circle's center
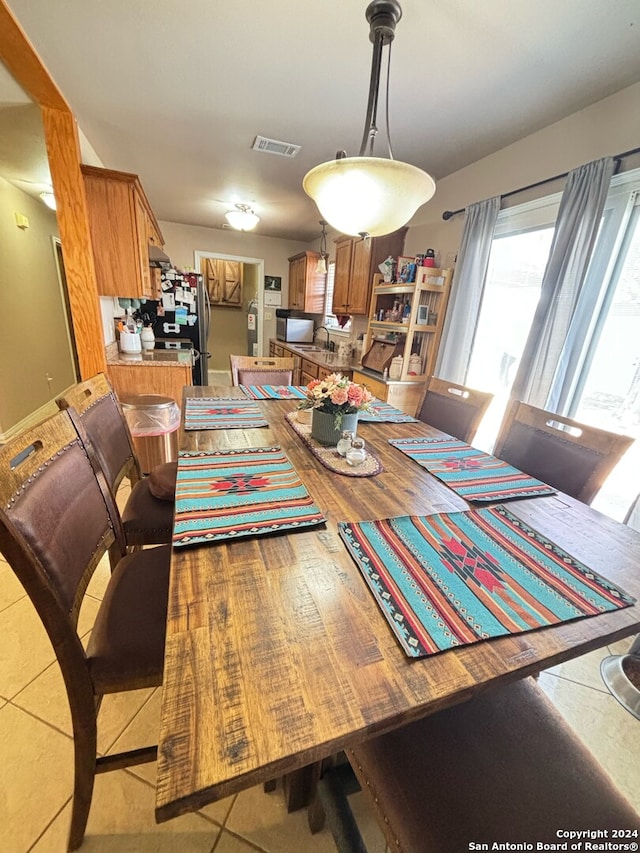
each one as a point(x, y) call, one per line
point(177, 91)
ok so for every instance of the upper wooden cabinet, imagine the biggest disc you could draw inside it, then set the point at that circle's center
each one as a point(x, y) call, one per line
point(307, 287)
point(122, 226)
point(357, 260)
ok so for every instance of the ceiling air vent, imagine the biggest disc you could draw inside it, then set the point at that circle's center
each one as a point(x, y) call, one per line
point(273, 146)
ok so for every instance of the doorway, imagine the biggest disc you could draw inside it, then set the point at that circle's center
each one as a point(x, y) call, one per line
point(233, 294)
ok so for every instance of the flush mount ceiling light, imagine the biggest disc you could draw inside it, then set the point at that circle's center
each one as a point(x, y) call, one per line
point(370, 195)
point(49, 199)
point(242, 218)
point(322, 260)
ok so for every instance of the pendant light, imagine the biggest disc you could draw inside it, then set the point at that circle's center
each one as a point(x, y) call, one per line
point(242, 218)
point(49, 199)
point(322, 260)
point(368, 195)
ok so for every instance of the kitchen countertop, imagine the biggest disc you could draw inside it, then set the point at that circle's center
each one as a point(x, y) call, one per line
point(318, 355)
point(154, 357)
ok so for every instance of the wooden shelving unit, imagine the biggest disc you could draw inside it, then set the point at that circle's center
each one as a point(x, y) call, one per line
point(420, 334)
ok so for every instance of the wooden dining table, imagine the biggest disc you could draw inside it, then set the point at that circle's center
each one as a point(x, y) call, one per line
point(278, 656)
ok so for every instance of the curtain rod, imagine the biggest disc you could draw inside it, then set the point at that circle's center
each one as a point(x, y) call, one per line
point(618, 157)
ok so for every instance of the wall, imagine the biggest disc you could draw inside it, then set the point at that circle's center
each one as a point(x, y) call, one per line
point(181, 241)
point(608, 127)
point(34, 342)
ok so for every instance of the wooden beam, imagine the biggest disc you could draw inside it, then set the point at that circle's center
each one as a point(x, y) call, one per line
point(21, 59)
point(63, 148)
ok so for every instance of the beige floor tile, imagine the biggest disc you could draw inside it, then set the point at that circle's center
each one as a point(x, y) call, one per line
point(121, 820)
point(610, 732)
point(38, 763)
point(142, 731)
point(263, 820)
point(10, 587)
point(622, 646)
point(25, 650)
point(46, 698)
point(100, 579)
point(583, 670)
point(231, 844)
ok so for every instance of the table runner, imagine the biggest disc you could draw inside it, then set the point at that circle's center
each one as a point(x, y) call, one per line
point(382, 412)
point(235, 493)
point(454, 579)
point(472, 474)
point(274, 392)
point(217, 413)
point(329, 456)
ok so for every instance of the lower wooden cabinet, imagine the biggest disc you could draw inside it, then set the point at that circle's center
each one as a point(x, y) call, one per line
point(406, 396)
point(130, 380)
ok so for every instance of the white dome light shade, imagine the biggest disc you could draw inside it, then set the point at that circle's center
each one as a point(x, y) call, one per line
point(242, 218)
point(368, 195)
point(49, 199)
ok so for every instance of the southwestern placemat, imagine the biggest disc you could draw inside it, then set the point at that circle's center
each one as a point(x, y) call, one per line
point(472, 474)
point(381, 412)
point(215, 413)
point(454, 579)
point(329, 456)
point(235, 493)
point(274, 392)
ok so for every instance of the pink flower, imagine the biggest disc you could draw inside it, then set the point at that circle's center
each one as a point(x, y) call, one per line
point(355, 395)
point(339, 396)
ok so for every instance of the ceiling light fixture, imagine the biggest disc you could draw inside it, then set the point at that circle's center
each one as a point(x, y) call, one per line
point(49, 199)
point(242, 218)
point(370, 195)
point(322, 260)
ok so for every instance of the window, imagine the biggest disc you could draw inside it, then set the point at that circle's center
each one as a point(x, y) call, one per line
point(519, 253)
point(604, 386)
point(330, 319)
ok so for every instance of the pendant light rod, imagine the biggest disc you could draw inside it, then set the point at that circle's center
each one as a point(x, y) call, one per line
point(382, 15)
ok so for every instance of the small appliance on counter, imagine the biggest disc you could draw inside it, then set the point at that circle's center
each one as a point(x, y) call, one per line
point(293, 329)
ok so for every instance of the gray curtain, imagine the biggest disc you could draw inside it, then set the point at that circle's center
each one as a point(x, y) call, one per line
point(551, 350)
point(468, 285)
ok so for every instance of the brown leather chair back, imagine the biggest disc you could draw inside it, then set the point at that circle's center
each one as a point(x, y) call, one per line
point(246, 370)
point(454, 409)
point(55, 521)
point(105, 425)
point(58, 519)
point(568, 455)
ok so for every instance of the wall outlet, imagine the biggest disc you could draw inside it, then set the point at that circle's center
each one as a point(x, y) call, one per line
point(268, 315)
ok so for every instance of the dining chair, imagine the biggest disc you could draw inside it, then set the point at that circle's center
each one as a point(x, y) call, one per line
point(503, 766)
point(615, 669)
point(57, 520)
point(454, 409)
point(565, 454)
point(270, 370)
point(147, 517)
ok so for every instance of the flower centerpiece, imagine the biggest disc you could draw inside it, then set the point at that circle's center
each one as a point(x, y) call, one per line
point(335, 401)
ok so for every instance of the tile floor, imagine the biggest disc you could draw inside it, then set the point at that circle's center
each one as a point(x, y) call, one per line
point(36, 756)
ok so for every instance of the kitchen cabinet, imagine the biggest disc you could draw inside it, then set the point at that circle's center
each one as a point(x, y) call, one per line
point(224, 282)
point(307, 287)
point(357, 261)
point(122, 226)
